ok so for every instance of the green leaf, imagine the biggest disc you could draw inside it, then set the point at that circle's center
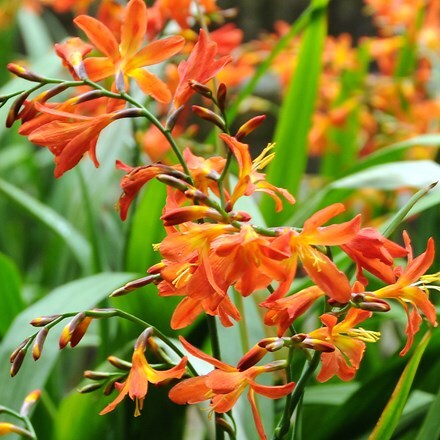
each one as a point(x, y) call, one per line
point(34, 32)
point(75, 296)
point(396, 151)
point(146, 227)
point(416, 174)
point(79, 246)
point(329, 394)
point(390, 417)
point(295, 119)
point(11, 301)
point(431, 427)
point(301, 23)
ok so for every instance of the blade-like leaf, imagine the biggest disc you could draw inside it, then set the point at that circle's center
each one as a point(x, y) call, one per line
point(75, 296)
point(431, 426)
point(295, 117)
point(392, 412)
point(11, 301)
point(79, 246)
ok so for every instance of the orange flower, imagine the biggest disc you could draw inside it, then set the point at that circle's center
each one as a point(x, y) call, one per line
point(283, 312)
point(125, 60)
point(69, 140)
point(201, 66)
point(202, 172)
point(319, 267)
point(224, 385)
point(249, 179)
point(250, 261)
point(407, 292)
point(370, 250)
point(141, 373)
point(348, 342)
point(72, 52)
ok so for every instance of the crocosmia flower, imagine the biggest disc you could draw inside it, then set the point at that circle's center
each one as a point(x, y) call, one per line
point(141, 373)
point(409, 291)
point(349, 343)
point(127, 59)
point(224, 385)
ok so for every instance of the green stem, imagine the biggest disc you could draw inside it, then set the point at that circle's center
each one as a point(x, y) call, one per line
point(215, 344)
point(242, 325)
point(292, 401)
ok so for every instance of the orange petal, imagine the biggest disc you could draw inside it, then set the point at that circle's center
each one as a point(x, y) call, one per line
point(322, 216)
point(151, 85)
point(156, 52)
point(272, 392)
point(191, 390)
point(205, 357)
point(99, 68)
point(99, 35)
point(134, 27)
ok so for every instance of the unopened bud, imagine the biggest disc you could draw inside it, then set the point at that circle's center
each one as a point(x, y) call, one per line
point(75, 330)
point(200, 88)
point(318, 345)
point(173, 117)
point(369, 302)
point(196, 194)
point(15, 353)
point(44, 320)
point(89, 388)
point(249, 126)
point(254, 355)
point(240, 216)
point(109, 386)
point(209, 115)
point(96, 375)
point(189, 213)
point(24, 72)
point(221, 96)
point(134, 285)
point(39, 343)
point(142, 340)
point(88, 96)
point(9, 428)
point(172, 181)
point(127, 113)
point(119, 363)
point(30, 400)
point(14, 111)
point(17, 362)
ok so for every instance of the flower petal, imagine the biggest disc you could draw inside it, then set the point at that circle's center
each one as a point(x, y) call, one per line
point(151, 85)
point(99, 35)
point(134, 27)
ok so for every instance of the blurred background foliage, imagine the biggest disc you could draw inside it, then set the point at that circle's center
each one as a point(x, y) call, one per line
point(64, 248)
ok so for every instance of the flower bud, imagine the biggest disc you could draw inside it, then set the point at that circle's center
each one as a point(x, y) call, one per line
point(221, 96)
point(88, 96)
point(119, 363)
point(134, 285)
point(89, 388)
point(240, 216)
point(318, 345)
point(14, 354)
point(173, 117)
point(200, 88)
point(44, 320)
point(254, 355)
point(17, 362)
point(39, 343)
point(14, 111)
point(209, 115)
point(9, 428)
point(172, 181)
point(142, 339)
point(96, 375)
point(369, 302)
point(30, 400)
point(189, 213)
point(249, 127)
point(75, 330)
point(24, 72)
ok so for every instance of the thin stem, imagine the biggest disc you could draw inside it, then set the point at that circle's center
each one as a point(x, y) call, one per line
point(242, 325)
point(292, 401)
point(157, 333)
point(215, 344)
